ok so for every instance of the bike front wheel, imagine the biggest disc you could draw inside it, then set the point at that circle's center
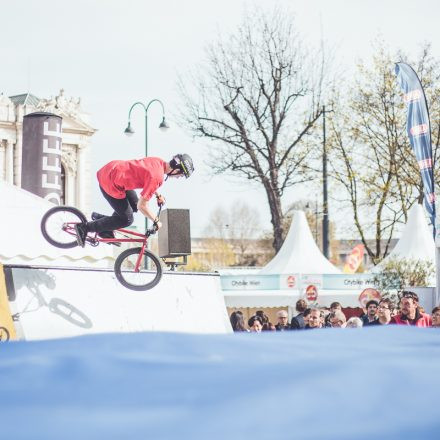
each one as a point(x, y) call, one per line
point(57, 226)
point(147, 275)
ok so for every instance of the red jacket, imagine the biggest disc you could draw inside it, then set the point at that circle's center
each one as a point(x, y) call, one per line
point(421, 320)
point(119, 176)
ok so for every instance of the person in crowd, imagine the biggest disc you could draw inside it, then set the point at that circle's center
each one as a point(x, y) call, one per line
point(410, 313)
point(354, 322)
point(337, 319)
point(370, 317)
point(283, 323)
point(297, 322)
point(314, 319)
point(333, 307)
point(255, 324)
point(237, 321)
point(306, 316)
point(325, 317)
point(267, 325)
point(436, 316)
point(384, 311)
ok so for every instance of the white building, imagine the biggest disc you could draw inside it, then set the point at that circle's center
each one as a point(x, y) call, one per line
point(76, 133)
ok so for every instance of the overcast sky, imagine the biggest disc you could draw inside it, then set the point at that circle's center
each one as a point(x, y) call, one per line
point(113, 53)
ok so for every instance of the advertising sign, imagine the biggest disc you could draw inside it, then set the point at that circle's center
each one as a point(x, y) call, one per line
point(311, 293)
point(367, 295)
point(41, 156)
point(354, 260)
point(250, 282)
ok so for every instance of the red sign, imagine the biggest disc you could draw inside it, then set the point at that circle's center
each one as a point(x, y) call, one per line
point(368, 294)
point(354, 260)
point(291, 282)
point(311, 293)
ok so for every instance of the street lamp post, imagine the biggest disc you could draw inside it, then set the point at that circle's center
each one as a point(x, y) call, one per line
point(129, 130)
point(325, 221)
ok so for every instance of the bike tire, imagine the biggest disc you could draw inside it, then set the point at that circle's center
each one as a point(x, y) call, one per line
point(4, 334)
point(52, 222)
point(146, 279)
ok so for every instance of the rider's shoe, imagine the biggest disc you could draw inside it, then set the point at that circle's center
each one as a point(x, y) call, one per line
point(81, 233)
point(109, 234)
point(97, 216)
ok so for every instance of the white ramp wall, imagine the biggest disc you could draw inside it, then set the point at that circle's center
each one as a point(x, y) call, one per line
point(59, 302)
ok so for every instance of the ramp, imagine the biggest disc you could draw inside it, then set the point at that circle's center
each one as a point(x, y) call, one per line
point(47, 302)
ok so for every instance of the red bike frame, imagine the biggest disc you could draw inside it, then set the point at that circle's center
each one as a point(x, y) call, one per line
point(94, 239)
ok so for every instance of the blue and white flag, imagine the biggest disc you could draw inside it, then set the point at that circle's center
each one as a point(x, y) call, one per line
point(419, 131)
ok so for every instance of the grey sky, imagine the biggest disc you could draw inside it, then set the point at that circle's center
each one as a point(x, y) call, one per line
point(113, 53)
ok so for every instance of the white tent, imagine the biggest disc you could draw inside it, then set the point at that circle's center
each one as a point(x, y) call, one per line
point(299, 252)
point(298, 255)
point(21, 241)
point(416, 242)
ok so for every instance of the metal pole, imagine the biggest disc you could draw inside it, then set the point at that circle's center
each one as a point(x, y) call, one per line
point(325, 241)
point(146, 155)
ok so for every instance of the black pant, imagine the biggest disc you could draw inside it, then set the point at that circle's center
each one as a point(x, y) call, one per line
point(122, 216)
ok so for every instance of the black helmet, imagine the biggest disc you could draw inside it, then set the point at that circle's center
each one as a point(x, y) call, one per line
point(184, 163)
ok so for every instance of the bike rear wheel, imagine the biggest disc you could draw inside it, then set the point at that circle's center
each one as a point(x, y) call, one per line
point(57, 226)
point(143, 279)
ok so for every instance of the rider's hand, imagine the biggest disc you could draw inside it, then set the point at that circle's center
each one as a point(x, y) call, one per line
point(160, 199)
point(157, 225)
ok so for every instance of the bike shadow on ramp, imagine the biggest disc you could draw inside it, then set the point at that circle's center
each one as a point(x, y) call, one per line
point(32, 285)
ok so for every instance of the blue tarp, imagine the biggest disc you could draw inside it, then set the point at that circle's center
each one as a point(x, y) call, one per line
point(380, 383)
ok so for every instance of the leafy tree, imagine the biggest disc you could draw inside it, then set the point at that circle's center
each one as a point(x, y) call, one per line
point(398, 274)
point(371, 156)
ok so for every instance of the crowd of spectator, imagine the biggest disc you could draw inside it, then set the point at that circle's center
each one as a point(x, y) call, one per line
point(383, 312)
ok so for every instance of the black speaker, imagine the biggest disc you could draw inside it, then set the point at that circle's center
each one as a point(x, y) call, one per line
point(174, 235)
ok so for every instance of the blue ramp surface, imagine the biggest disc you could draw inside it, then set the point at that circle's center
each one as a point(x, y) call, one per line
point(323, 384)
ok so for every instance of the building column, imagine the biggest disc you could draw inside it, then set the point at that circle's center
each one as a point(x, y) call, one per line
point(79, 176)
point(2, 160)
point(9, 162)
point(18, 158)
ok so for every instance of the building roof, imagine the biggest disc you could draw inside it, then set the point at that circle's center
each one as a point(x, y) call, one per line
point(25, 99)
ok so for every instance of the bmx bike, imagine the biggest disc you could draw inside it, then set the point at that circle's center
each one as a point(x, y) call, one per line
point(136, 268)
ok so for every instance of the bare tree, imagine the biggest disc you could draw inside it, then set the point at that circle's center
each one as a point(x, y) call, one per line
point(371, 156)
point(239, 225)
point(258, 97)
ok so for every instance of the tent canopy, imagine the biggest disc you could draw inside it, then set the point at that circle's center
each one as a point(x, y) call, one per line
point(299, 252)
point(416, 242)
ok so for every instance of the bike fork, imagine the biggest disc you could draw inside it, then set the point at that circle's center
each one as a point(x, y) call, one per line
point(139, 258)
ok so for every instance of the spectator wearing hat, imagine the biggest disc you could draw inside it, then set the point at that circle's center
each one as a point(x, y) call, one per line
point(410, 313)
point(370, 318)
point(436, 316)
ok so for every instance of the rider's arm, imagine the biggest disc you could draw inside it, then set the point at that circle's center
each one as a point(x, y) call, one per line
point(146, 211)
